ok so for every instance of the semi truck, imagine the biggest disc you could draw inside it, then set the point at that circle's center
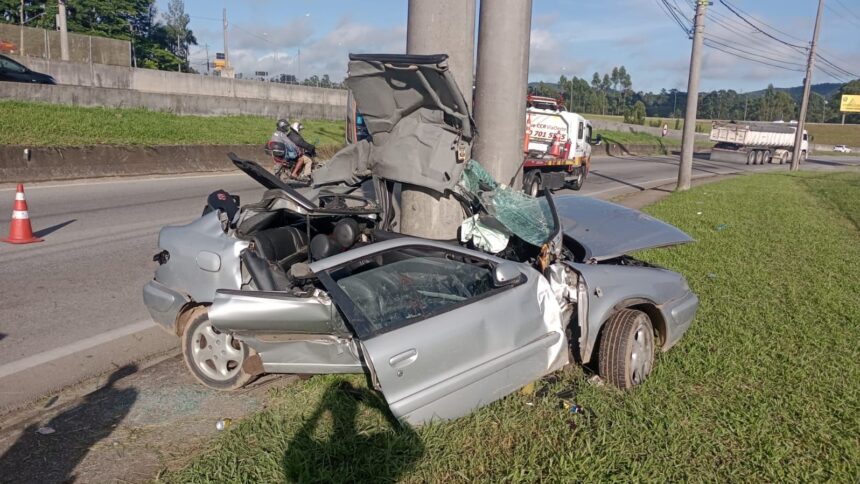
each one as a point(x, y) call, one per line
point(756, 143)
point(557, 147)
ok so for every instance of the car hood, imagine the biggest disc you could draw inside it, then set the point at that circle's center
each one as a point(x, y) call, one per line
point(606, 230)
point(419, 121)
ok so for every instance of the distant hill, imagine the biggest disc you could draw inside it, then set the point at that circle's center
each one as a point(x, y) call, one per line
point(827, 89)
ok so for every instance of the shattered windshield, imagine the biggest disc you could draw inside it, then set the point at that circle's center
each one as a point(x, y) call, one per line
point(529, 218)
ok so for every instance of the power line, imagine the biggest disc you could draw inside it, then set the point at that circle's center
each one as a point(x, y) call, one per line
point(710, 43)
point(710, 38)
point(667, 9)
point(851, 12)
point(840, 69)
point(842, 16)
point(735, 11)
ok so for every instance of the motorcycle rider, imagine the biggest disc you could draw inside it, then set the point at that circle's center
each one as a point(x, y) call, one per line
point(304, 164)
point(289, 158)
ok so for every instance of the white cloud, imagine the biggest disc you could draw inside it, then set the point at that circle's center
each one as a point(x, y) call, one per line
point(327, 54)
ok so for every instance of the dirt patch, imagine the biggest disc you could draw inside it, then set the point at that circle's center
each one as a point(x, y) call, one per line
point(135, 424)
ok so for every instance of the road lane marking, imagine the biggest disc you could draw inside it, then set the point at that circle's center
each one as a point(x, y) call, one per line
point(35, 186)
point(70, 349)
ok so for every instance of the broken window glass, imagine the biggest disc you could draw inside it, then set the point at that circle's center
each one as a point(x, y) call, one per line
point(527, 217)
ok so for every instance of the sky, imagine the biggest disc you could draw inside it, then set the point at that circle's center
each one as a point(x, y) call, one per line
point(569, 37)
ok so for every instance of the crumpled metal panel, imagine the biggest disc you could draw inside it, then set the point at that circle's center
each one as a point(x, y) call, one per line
point(606, 230)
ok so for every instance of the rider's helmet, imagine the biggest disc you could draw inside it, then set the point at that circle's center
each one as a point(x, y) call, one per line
point(297, 126)
point(283, 125)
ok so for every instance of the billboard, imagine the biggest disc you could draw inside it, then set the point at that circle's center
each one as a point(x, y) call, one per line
point(850, 104)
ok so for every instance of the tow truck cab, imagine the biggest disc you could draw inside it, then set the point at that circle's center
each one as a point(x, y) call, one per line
point(557, 146)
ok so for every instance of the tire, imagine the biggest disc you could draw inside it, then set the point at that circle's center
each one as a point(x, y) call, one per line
point(759, 157)
point(626, 354)
point(783, 158)
point(766, 157)
point(577, 182)
point(803, 156)
point(751, 158)
point(220, 369)
point(532, 183)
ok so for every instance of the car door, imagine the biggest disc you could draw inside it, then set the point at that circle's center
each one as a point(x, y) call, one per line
point(441, 335)
point(291, 334)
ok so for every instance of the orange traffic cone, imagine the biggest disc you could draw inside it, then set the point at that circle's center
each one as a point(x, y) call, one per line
point(20, 230)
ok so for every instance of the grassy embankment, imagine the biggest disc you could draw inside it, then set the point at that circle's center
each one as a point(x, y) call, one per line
point(38, 124)
point(656, 143)
point(827, 134)
point(765, 386)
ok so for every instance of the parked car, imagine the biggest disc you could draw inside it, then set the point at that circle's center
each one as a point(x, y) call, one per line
point(12, 71)
point(316, 280)
point(842, 149)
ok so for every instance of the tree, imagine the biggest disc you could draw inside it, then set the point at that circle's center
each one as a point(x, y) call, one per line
point(851, 88)
point(133, 20)
point(595, 81)
point(614, 78)
point(176, 26)
point(635, 114)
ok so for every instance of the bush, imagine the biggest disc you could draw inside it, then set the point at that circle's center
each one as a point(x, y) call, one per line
point(635, 114)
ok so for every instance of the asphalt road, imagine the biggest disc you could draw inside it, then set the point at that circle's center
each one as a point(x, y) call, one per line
point(85, 279)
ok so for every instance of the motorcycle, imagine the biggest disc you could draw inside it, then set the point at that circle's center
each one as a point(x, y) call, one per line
point(285, 158)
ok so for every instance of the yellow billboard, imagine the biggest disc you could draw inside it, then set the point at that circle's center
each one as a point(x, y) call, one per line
point(850, 104)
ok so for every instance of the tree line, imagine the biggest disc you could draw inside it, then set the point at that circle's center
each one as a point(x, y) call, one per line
point(158, 41)
point(612, 94)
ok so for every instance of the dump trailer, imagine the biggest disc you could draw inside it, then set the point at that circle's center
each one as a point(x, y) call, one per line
point(756, 143)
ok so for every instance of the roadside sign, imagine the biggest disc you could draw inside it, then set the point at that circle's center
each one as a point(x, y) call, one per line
point(850, 104)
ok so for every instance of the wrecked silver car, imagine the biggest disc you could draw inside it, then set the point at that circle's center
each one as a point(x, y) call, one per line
point(317, 280)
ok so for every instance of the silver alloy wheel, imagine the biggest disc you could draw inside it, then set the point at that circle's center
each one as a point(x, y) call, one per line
point(217, 355)
point(642, 354)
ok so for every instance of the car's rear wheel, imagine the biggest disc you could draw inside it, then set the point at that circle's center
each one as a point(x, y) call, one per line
point(627, 349)
point(214, 358)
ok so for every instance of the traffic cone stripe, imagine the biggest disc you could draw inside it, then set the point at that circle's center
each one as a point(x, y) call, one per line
point(20, 215)
point(19, 196)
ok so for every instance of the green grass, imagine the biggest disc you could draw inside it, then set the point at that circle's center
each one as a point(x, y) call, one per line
point(834, 134)
point(764, 387)
point(644, 139)
point(38, 124)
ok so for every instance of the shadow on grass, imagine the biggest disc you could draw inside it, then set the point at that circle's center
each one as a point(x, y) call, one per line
point(347, 453)
point(40, 456)
point(831, 188)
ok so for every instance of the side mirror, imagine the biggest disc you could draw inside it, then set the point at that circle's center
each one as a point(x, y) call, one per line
point(506, 274)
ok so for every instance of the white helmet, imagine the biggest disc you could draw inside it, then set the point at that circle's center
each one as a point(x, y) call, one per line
point(297, 126)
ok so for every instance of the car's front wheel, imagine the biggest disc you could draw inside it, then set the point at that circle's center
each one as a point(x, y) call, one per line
point(214, 358)
point(626, 349)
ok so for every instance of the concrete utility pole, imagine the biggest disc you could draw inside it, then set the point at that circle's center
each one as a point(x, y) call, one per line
point(21, 21)
point(226, 68)
point(685, 170)
point(64, 33)
point(178, 50)
point(807, 86)
point(439, 27)
point(207, 58)
point(501, 84)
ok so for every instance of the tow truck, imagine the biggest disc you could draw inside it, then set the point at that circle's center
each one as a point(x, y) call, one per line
point(556, 146)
